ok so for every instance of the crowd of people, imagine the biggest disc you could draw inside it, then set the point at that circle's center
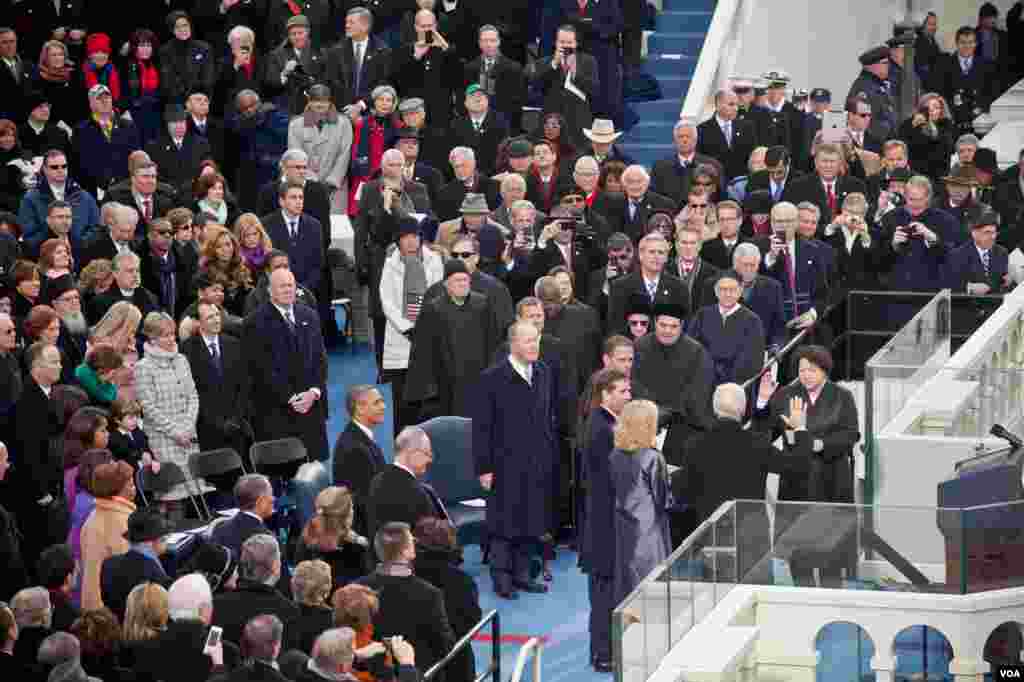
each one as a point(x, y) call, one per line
point(168, 189)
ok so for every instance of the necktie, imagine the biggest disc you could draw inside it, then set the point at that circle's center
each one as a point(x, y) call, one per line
point(632, 210)
point(529, 374)
point(831, 197)
point(985, 262)
point(728, 133)
point(436, 500)
point(215, 357)
point(14, 71)
point(293, 229)
point(790, 271)
point(358, 69)
point(290, 319)
point(147, 208)
point(652, 289)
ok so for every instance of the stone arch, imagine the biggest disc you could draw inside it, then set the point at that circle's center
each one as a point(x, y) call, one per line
point(922, 649)
point(1005, 644)
point(845, 650)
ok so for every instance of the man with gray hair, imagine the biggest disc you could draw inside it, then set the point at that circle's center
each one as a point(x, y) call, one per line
point(334, 652)
point(127, 287)
point(800, 268)
point(61, 655)
point(640, 202)
point(468, 180)
point(730, 463)
point(398, 492)
point(261, 643)
point(121, 222)
point(259, 570)
point(255, 497)
point(671, 177)
point(181, 645)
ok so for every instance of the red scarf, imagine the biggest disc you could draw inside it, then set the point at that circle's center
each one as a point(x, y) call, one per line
point(149, 76)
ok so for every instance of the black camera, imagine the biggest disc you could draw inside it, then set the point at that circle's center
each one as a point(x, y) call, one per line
point(568, 51)
point(428, 37)
point(299, 78)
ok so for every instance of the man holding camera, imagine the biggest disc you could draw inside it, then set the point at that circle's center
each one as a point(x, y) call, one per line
point(294, 67)
point(915, 238)
point(570, 82)
point(567, 240)
point(429, 69)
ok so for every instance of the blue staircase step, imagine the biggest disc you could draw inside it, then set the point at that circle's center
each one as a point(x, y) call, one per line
point(688, 5)
point(651, 131)
point(666, 109)
point(675, 43)
point(684, 22)
point(674, 86)
point(659, 65)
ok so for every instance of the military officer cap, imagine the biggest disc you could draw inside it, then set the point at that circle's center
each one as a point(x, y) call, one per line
point(741, 85)
point(821, 95)
point(800, 95)
point(760, 86)
point(297, 21)
point(777, 79)
point(875, 55)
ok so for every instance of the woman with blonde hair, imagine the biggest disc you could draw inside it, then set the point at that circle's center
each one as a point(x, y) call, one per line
point(95, 279)
point(145, 613)
point(253, 241)
point(221, 259)
point(641, 484)
point(311, 587)
point(118, 328)
point(930, 135)
point(329, 536)
point(356, 607)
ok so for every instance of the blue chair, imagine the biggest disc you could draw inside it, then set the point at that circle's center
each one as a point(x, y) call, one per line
point(453, 475)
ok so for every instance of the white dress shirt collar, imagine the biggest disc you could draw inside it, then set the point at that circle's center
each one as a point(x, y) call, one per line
point(364, 429)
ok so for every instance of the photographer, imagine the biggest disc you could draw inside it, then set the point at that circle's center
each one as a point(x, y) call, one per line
point(892, 191)
point(567, 240)
point(856, 244)
point(293, 68)
point(929, 134)
point(915, 238)
point(428, 68)
point(239, 70)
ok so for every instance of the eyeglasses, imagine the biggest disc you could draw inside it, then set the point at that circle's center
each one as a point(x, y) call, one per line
point(698, 205)
point(462, 255)
point(639, 323)
point(703, 183)
point(164, 233)
point(57, 167)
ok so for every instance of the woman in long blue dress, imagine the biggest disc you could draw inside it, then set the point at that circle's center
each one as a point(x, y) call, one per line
point(641, 485)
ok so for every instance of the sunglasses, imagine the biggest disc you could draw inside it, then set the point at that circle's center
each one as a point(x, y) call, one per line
point(56, 167)
point(462, 255)
point(164, 233)
point(698, 205)
point(703, 183)
point(639, 323)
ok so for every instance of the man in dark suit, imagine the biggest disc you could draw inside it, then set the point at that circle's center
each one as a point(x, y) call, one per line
point(409, 606)
point(127, 287)
point(966, 79)
point(562, 248)
point(216, 362)
point(696, 274)
point(825, 188)
point(649, 280)
point(856, 248)
point(980, 266)
point(120, 573)
point(799, 267)
point(730, 463)
point(630, 214)
point(468, 180)
point(671, 177)
point(201, 125)
point(500, 77)
point(255, 497)
point(778, 122)
point(166, 269)
point(565, 71)
point(357, 457)
point(777, 174)
point(358, 63)
point(482, 129)
point(178, 154)
point(15, 76)
point(259, 569)
point(428, 70)
point(143, 194)
point(761, 294)
point(298, 234)
point(858, 121)
point(418, 171)
point(262, 641)
point(718, 251)
point(293, 67)
point(545, 183)
point(726, 138)
point(283, 346)
point(397, 492)
point(316, 200)
point(119, 237)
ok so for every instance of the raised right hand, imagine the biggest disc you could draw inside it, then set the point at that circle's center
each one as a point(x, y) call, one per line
point(767, 387)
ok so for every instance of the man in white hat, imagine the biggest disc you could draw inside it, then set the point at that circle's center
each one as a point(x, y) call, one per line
point(602, 145)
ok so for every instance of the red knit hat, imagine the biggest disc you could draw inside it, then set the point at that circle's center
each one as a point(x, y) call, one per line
point(97, 42)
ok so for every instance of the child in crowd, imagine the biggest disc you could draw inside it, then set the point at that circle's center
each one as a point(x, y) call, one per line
point(128, 442)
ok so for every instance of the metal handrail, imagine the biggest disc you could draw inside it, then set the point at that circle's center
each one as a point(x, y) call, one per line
point(534, 646)
point(777, 356)
point(494, 668)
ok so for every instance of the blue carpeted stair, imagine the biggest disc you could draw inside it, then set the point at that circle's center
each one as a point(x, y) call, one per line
point(672, 52)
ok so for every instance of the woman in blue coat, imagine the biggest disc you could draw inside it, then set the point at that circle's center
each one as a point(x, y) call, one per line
point(642, 496)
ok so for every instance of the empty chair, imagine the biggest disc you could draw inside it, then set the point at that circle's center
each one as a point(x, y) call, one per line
point(170, 475)
point(220, 468)
point(281, 457)
point(452, 474)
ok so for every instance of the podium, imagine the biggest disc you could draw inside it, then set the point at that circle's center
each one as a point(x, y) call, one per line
point(981, 516)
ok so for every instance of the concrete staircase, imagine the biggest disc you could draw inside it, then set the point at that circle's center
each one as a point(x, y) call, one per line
point(672, 52)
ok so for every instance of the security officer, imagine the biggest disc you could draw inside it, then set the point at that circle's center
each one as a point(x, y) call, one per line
point(744, 89)
point(873, 84)
point(966, 80)
point(779, 122)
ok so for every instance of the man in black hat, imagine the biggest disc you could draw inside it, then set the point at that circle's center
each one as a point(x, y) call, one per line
point(675, 372)
point(873, 83)
point(980, 267)
point(140, 564)
point(178, 154)
point(966, 79)
point(456, 337)
point(418, 171)
point(294, 67)
point(986, 171)
point(38, 134)
point(63, 296)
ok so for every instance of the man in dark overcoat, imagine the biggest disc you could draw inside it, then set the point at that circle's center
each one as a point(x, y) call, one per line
point(515, 447)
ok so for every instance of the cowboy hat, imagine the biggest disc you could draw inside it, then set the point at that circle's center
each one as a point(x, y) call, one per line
point(603, 131)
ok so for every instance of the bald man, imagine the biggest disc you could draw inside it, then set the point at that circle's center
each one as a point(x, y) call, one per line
point(283, 345)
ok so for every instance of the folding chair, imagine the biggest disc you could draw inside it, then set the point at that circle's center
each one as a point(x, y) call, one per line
point(170, 475)
point(452, 475)
point(213, 463)
point(270, 456)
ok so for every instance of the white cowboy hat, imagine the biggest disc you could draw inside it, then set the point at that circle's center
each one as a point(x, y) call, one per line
point(603, 131)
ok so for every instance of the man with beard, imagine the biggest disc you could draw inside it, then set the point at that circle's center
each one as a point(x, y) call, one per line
point(676, 373)
point(455, 339)
point(74, 330)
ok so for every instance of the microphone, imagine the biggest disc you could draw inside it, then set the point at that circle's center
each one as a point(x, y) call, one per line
point(999, 431)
